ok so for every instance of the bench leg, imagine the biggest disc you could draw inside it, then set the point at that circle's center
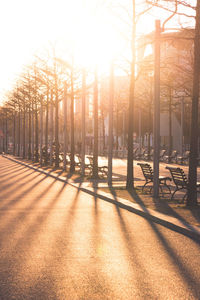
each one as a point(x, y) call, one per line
point(145, 185)
point(185, 197)
point(172, 196)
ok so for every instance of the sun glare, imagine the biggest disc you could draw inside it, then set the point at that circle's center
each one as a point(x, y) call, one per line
point(93, 38)
point(88, 29)
point(95, 43)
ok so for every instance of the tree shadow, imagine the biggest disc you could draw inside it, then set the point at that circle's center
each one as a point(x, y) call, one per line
point(11, 171)
point(161, 206)
point(136, 263)
point(25, 230)
point(12, 191)
point(19, 179)
point(23, 216)
point(184, 271)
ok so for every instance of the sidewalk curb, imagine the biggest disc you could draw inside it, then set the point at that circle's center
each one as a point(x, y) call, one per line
point(152, 215)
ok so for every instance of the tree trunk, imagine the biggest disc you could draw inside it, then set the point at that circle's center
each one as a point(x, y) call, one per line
point(72, 162)
point(83, 123)
point(46, 129)
point(29, 132)
point(117, 129)
point(170, 126)
point(56, 126)
point(19, 128)
point(156, 125)
point(95, 117)
point(14, 129)
point(24, 132)
point(6, 132)
point(129, 179)
point(32, 131)
point(65, 127)
point(103, 133)
point(51, 130)
point(192, 191)
point(149, 133)
point(36, 135)
point(110, 141)
point(41, 130)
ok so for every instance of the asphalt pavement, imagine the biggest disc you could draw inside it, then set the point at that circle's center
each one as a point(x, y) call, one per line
point(58, 241)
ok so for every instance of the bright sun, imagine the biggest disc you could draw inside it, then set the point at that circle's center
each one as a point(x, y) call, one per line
point(94, 38)
point(95, 43)
point(86, 28)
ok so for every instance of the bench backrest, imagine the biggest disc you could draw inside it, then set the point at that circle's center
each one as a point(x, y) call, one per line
point(186, 154)
point(151, 151)
point(77, 158)
point(174, 153)
point(178, 176)
point(162, 152)
point(90, 158)
point(146, 170)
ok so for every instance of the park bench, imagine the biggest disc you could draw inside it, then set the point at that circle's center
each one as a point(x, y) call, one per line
point(162, 154)
point(77, 160)
point(140, 153)
point(135, 151)
point(148, 175)
point(102, 170)
point(149, 156)
point(171, 158)
point(184, 158)
point(180, 180)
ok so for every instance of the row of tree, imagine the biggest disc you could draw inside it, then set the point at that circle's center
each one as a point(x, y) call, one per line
point(47, 83)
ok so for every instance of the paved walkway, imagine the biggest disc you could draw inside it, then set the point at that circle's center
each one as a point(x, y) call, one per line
point(160, 210)
point(59, 241)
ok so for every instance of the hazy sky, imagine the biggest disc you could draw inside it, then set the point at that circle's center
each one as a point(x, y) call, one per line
point(28, 26)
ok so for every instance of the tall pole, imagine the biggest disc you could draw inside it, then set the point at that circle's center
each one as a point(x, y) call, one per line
point(65, 127)
point(83, 122)
point(110, 134)
point(156, 110)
